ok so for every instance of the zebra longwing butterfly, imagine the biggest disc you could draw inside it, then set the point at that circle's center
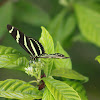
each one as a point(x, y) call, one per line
point(31, 46)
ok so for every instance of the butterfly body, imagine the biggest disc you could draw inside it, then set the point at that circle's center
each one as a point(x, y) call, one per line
point(30, 45)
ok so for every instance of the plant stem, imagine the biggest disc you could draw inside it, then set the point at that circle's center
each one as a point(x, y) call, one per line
point(39, 76)
point(34, 81)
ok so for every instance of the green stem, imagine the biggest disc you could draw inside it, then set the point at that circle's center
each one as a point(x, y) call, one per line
point(39, 76)
point(34, 81)
point(35, 76)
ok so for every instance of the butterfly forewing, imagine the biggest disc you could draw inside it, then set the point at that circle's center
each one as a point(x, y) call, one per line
point(32, 46)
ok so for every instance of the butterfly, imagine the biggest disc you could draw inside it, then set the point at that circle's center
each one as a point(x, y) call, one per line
point(31, 46)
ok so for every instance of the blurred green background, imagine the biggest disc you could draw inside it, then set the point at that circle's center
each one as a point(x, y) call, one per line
point(74, 23)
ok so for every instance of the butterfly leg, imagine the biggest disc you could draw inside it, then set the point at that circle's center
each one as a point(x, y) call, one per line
point(39, 60)
point(31, 60)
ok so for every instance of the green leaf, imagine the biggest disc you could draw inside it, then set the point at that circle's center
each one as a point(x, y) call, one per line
point(68, 73)
point(56, 25)
point(62, 63)
point(12, 59)
point(63, 2)
point(68, 29)
point(48, 63)
point(60, 90)
point(30, 13)
point(61, 27)
point(6, 12)
point(98, 58)
point(17, 89)
point(69, 26)
point(77, 86)
point(47, 42)
point(93, 5)
point(47, 95)
point(89, 23)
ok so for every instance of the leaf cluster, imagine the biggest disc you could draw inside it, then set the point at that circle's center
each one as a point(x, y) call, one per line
point(61, 89)
point(67, 21)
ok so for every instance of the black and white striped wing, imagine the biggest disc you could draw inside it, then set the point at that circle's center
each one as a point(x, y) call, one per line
point(37, 46)
point(30, 45)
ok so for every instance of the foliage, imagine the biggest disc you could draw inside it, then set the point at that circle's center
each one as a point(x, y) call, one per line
point(78, 87)
point(68, 73)
point(67, 21)
point(65, 63)
point(98, 58)
point(5, 18)
point(60, 90)
point(76, 18)
point(47, 95)
point(30, 11)
point(17, 89)
point(89, 21)
point(11, 58)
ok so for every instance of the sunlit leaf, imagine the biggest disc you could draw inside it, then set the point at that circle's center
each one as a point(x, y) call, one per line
point(62, 63)
point(98, 58)
point(63, 2)
point(17, 89)
point(12, 59)
point(79, 88)
point(68, 73)
point(47, 95)
point(6, 12)
point(47, 42)
point(89, 23)
point(61, 90)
